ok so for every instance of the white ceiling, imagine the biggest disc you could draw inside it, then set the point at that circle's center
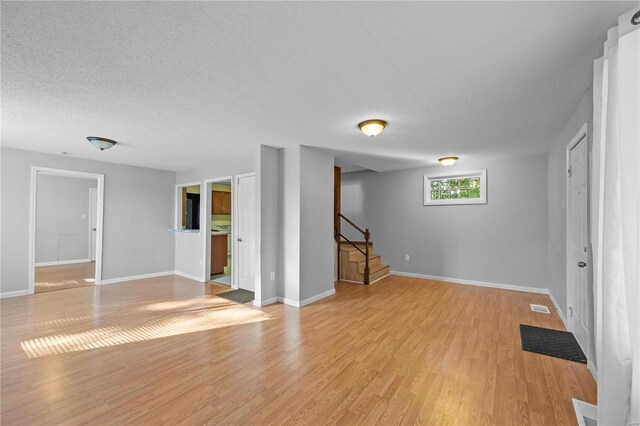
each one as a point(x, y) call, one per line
point(179, 84)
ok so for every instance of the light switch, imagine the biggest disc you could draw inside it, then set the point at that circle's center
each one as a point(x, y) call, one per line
point(84, 216)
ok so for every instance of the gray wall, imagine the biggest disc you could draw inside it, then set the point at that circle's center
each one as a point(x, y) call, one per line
point(316, 223)
point(61, 231)
point(138, 209)
point(290, 223)
point(189, 254)
point(267, 196)
point(556, 184)
point(502, 242)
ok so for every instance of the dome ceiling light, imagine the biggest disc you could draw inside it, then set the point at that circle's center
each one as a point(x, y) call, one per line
point(372, 127)
point(101, 143)
point(447, 161)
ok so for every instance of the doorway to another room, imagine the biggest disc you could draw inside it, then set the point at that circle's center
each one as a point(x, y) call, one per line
point(221, 230)
point(66, 229)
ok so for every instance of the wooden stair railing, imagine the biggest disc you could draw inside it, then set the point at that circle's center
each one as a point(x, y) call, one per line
point(367, 236)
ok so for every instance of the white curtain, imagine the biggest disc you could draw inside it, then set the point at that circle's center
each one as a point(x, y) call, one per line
point(616, 224)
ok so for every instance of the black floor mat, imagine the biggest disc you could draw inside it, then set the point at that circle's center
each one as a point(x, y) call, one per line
point(239, 296)
point(556, 343)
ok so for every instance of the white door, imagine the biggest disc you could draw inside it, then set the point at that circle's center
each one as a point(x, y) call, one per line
point(577, 244)
point(93, 222)
point(246, 231)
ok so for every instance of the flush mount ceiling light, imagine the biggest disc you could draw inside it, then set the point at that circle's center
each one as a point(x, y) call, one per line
point(372, 127)
point(447, 161)
point(101, 143)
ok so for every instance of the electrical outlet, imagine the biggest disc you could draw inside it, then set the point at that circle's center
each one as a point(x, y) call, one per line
point(407, 258)
point(273, 276)
point(84, 216)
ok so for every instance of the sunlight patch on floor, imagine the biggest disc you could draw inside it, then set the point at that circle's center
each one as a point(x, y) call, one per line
point(172, 325)
point(52, 284)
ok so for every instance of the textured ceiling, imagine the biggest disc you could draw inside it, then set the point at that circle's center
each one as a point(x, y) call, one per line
point(180, 84)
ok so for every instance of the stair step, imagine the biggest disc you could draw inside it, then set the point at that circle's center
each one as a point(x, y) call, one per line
point(373, 262)
point(380, 273)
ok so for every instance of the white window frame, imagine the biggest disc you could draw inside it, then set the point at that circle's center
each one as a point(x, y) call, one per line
point(482, 174)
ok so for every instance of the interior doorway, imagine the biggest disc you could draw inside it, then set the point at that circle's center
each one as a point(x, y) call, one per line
point(219, 214)
point(65, 229)
point(579, 278)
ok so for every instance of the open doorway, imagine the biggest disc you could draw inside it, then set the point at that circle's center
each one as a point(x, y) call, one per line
point(66, 229)
point(220, 223)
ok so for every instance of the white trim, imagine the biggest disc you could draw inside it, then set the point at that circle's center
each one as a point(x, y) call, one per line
point(62, 262)
point(32, 217)
point(91, 247)
point(9, 294)
point(317, 297)
point(234, 230)
point(137, 277)
point(300, 304)
point(583, 133)
point(206, 261)
point(270, 301)
point(558, 310)
point(584, 410)
point(511, 287)
point(482, 174)
point(189, 276)
point(178, 200)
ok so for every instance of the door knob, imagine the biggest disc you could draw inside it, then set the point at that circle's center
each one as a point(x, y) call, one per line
point(239, 239)
point(93, 229)
point(582, 264)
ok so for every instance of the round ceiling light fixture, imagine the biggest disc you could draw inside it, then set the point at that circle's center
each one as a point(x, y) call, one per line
point(101, 143)
point(448, 161)
point(372, 127)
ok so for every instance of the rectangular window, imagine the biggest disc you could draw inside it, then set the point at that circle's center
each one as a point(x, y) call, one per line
point(456, 188)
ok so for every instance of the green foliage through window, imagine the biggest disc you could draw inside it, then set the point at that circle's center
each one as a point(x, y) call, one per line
point(445, 189)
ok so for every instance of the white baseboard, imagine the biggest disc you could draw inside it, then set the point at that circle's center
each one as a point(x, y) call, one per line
point(475, 283)
point(14, 294)
point(191, 277)
point(259, 303)
point(305, 302)
point(558, 310)
point(317, 297)
point(62, 262)
point(135, 277)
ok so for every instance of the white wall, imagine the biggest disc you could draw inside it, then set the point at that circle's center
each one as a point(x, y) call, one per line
point(556, 187)
point(62, 218)
point(502, 242)
point(189, 247)
point(138, 210)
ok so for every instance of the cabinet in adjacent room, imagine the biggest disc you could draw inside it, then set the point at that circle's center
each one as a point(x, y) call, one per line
point(218, 253)
point(221, 202)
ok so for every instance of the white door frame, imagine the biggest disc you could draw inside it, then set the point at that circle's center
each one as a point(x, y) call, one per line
point(91, 247)
point(206, 270)
point(583, 133)
point(32, 217)
point(256, 229)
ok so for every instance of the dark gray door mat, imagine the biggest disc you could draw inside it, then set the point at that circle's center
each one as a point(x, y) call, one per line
point(556, 343)
point(239, 296)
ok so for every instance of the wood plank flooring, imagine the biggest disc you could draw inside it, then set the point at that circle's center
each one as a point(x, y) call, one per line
point(61, 277)
point(167, 350)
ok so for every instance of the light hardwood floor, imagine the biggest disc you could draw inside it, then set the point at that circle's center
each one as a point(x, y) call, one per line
point(167, 350)
point(61, 277)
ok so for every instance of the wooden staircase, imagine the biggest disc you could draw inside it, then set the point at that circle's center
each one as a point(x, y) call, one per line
point(353, 264)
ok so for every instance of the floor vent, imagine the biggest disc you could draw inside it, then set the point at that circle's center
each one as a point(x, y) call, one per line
point(539, 308)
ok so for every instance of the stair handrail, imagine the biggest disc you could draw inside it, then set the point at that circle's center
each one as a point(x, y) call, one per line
point(367, 237)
